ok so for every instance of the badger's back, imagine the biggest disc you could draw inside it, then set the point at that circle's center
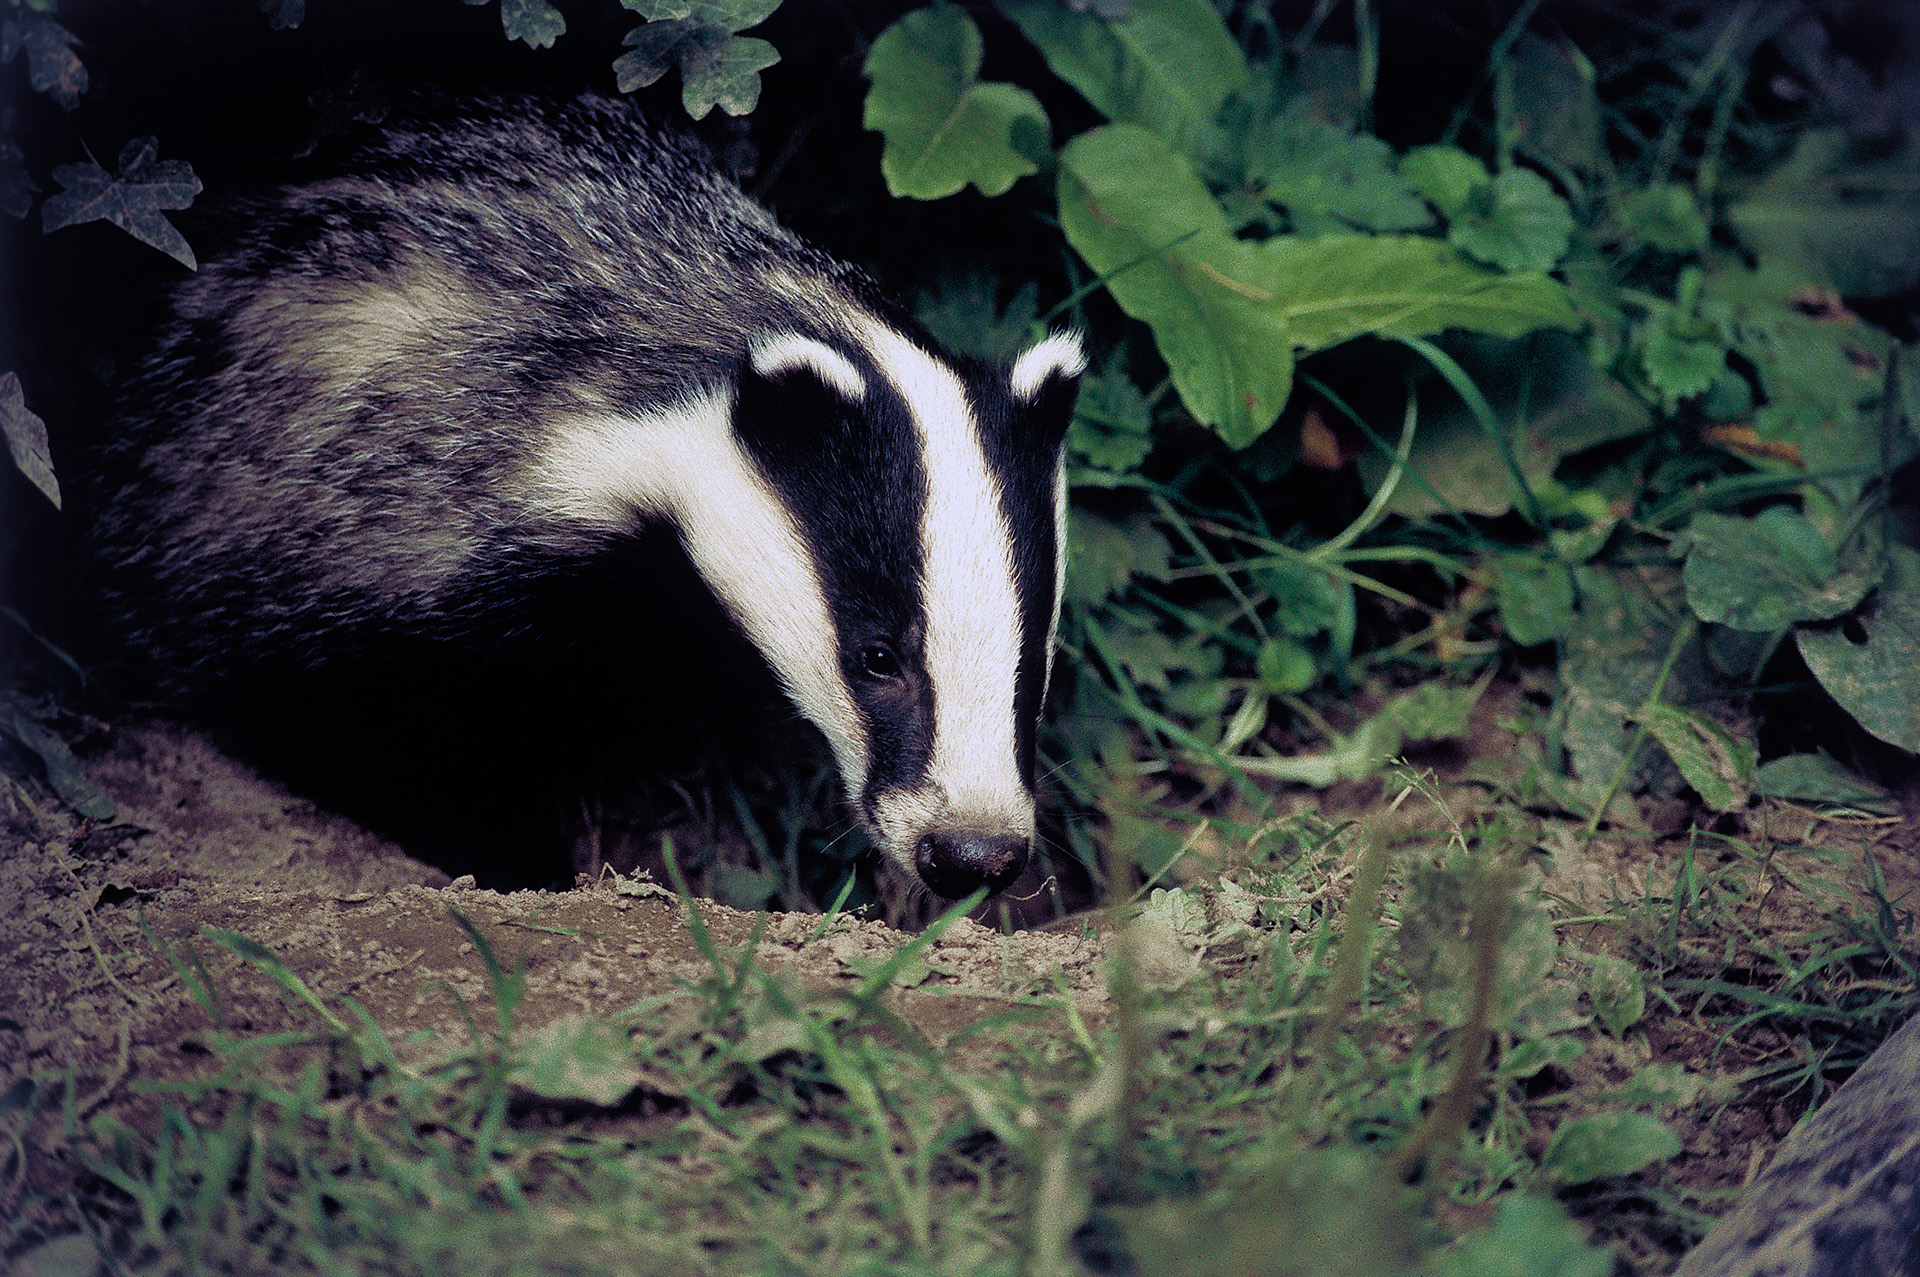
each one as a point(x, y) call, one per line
point(330, 446)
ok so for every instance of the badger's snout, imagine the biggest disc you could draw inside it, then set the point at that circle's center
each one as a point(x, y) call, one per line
point(956, 863)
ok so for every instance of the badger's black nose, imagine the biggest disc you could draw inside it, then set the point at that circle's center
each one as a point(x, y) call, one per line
point(958, 864)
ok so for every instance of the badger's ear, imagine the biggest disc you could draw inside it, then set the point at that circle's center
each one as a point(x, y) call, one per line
point(1044, 380)
point(791, 378)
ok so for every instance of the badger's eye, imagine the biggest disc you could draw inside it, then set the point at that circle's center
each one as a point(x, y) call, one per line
point(877, 660)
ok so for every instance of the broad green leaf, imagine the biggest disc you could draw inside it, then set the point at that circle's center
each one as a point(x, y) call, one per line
point(1666, 216)
point(1166, 67)
point(131, 199)
point(1446, 175)
point(1141, 218)
point(53, 68)
point(1766, 572)
point(717, 67)
point(580, 1059)
point(1586, 1148)
point(1618, 993)
point(1850, 223)
point(1817, 778)
point(1718, 764)
point(1340, 286)
point(943, 127)
point(1681, 366)
point(1516, 222)
point(1529, 1237)
point(1329, 179)
point(1285, 666)
point(27, 438)
point(1876, 680)
point(1536, 598)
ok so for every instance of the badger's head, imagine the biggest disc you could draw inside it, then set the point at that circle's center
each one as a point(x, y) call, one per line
point(886, 524)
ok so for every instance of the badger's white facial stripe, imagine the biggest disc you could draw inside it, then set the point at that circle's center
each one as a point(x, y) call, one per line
point(1059, 353)
point(778, 354)
point(972, 607)
point(683, 463)
point(1059, 568)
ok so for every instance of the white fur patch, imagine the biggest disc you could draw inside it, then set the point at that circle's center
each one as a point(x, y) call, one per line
point(972, 612)
point(774, 355)
point(1059, 569)
point(683, 463)
point(1059, 353)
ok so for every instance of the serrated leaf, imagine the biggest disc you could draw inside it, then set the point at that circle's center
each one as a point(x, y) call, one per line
point(943, 127)
point(577, 1059)
point(1586, 1148)
point(1666, 216)
point(1876, 680)
point(53, 68)
point(717, 67)
point(1112, 427)
point(534, 23)
point(1329, 179)
point(1766, 572)
point(1681, 366)
point(1167, 67)
point(132, 199)
point(27, 438)
point(1718, 764)
point(963, 311)
point(1104, 555)
point(1135, 211)
point(1516, 222)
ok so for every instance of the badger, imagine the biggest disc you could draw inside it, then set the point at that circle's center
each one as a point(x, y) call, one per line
point(420, 406)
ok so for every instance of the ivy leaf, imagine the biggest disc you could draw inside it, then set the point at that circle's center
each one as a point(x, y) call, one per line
point(1516, 222)
point(1718, 764)
point(1667, 217)
point(1874, 671)
point(53, 68)
point(1766, 572)
point(1167, 66)
point(943, 127)
point(27, 438)
point(131, 199)
point(717, 66)
point(534, 23)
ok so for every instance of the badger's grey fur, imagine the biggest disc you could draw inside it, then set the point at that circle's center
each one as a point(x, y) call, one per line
point(415, 411)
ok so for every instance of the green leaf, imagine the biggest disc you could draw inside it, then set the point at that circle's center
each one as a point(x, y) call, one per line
point(1105, 555)
point(1586, 1148)
point(1329, 179)
point(534, 23)
point(1112, 427)
point(1516, 222)
point(1618, 993)
point(1167, 67)
point(1766, 572)
point(1446, 175)
point(1718, 764)
point(1848, 222)
point(284, 15)
point(1817, 778)
point(1536, 598)
point(63, 771)
point(53, 68)
point(27, 438)
point(1336, 287)
point(1680, 366)
point(717, 67)
point(1529, 1237)
point(1285, 666)
point(132, 199)
point(1555, 109)
point(1876, 680)
point(963, 310)
point(1666, 216)
point(577, 1059)
point(1141, 218)
point(943, 127)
